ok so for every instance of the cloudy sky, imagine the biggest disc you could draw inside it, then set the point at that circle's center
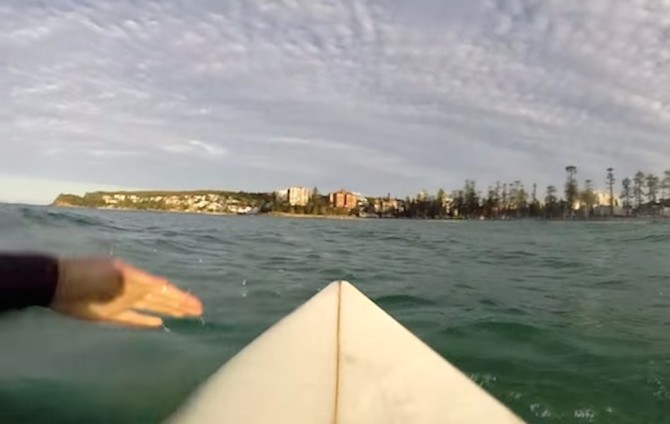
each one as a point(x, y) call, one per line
point(374, 96)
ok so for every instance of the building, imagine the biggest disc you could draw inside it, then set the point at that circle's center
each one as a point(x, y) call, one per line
point(386, 205)
point(298, 196)
point(343, 199)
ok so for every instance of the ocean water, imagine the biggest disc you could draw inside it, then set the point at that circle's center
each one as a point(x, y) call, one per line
point(564, 322)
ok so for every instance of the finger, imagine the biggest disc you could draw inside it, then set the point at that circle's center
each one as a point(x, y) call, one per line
point(135, 319)
point(170, 295)
point(187, 302)
point(156, 306)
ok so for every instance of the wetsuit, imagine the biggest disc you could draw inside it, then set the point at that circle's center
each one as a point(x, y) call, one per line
point(27, 280)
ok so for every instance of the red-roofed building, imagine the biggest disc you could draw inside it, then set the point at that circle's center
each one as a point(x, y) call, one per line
point(343, 199)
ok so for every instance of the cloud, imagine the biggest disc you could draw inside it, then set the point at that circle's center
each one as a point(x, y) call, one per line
point(112, 153)
point(377, 96)
point(194, 146)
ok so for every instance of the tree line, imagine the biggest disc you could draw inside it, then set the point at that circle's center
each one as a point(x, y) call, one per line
point(644, 195)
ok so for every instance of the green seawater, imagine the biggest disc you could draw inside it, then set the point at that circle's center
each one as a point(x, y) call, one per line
point(564, 322)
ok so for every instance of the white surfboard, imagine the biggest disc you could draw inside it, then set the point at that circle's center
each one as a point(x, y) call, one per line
point(340, 359)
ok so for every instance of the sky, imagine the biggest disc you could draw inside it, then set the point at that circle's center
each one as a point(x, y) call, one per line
point(373, 96)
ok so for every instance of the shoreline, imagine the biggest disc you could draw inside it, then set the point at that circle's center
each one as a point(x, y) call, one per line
point(270, 214)
point(141, 210)
point(370, 218)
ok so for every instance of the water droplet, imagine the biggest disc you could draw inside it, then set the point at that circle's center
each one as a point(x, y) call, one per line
point(244, 282)
point(202, 321)
point(200, 260)
point(167, 330)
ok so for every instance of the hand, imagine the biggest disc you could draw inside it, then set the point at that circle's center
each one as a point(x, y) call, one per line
point(112, 291)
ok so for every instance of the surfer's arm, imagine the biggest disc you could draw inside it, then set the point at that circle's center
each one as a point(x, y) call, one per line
point(97, 289)
point(27, 280)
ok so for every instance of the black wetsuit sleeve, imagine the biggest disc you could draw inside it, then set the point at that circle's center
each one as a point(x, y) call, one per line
point(27, 280)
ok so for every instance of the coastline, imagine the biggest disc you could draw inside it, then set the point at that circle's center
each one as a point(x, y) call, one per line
point(142, 210)
point(368, 218)
point(270, 214)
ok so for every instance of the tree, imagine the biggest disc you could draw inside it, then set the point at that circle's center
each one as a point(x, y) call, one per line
point(652, 187)
point(535, 203)
point(489, 203)
point(626, 195)
point(421, 205)
point(471, 198)
point(666, 185)
point(504, 199)
point(638, 183)
point(588, 197)
point(610, 184)
point(312, 207)
point(571, 189)
point(519, 198)
point(315, 205)
point(439, 203)
point(551, 202)
point(458, 204)
point(498, 197)
point(512, 198)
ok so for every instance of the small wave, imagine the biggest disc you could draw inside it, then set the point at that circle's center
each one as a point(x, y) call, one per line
point(504, 329)
point(609, 283)
point(398, 238)
point(402, 300)
point(516, 311)
point(172, 233)
point(207, 238)
point(277, 260)
point(515, 254)
point(558, 263)
point(51, 217)
point(170, 246)
point(648, 238)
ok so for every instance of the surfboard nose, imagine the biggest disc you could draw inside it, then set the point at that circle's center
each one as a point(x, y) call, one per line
point(340, 359)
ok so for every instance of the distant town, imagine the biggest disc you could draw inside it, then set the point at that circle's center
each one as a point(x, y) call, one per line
point(643, 195)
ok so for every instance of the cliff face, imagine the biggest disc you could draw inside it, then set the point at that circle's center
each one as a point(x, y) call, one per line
point(194, 201)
